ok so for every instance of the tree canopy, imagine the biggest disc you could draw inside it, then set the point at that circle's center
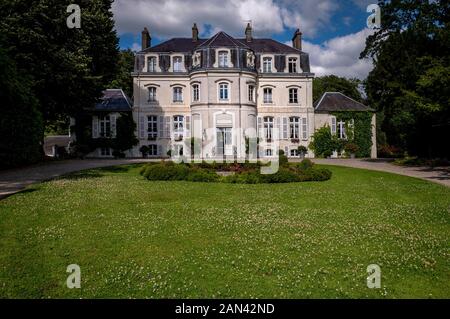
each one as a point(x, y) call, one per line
point(411, 76)
point(333, 83)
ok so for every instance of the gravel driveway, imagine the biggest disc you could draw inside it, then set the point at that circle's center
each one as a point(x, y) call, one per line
point(15, 180)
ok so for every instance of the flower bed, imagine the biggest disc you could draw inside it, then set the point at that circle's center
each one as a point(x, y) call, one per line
point(243, 173)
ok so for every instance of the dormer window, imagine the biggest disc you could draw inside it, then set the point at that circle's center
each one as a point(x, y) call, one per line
point(292, 63)
point(151, 64)
point(223, 59)
point(177, 64)
point(267, 65)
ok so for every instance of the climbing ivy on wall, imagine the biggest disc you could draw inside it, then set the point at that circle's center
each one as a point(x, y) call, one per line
point(362, 130)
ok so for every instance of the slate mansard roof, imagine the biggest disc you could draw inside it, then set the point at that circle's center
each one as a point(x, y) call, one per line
point(114, 100)
point(222, 39)
point(338, 102)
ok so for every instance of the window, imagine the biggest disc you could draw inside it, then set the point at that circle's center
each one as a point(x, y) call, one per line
point(341, 130)
point(267, 95)
point(292, 63)
point(177, 94)
point(293, 96)
point(268, 127)
point(105, 126)
point(151, 64)
point(153, 150)
point(177, 62)
point(223, 91)
point(178, 127)
point(223, 59)
point(152, 127)
point(294, 127)
point(267, 65)
point(152, 94)
point(251, 93)
point(269, 152)
point(195, 93)
point(294, 152)
point(105, 151)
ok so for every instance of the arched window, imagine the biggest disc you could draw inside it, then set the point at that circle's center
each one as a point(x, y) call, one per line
point(293, 95)
point(178, 94)
point(195, 93)
point(223, 92)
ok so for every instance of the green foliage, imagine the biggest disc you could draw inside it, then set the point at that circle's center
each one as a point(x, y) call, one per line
point(125, 66)
point(21, 129)
point(282, 158)
point(242, 173)
point(125, 138)
point(361, 134)
point(302, 150)
point(333, 83)
point(144, 150)
point(323, 143)
point(351, 148)
point(410, 80)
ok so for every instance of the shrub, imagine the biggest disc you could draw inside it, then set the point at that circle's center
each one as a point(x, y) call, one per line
point(164, 172)
point(305, 164)
point(283, 175)
point(351, 148)
point(282, 158)
point(202, 176)
point(302, 150)
point(144, 150)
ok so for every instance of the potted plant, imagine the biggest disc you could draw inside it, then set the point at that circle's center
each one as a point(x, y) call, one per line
point(295, 140)
point(302, 151)
point(352, 149)
point(144, 150)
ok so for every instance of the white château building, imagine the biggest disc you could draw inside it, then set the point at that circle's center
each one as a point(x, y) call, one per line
point(223, 90)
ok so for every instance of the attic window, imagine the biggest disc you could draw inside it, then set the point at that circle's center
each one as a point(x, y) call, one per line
point(223, 59)
point(177, 62)
point(292, 62)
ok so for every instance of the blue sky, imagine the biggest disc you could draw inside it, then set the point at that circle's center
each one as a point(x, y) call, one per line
point(334, 32)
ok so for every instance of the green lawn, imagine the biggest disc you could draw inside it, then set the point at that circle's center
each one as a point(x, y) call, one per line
point(135, 238)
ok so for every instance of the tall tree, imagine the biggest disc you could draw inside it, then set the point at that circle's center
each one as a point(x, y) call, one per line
point(125, 66)
point(410, 80)
point(333, 83)
point(68, 67)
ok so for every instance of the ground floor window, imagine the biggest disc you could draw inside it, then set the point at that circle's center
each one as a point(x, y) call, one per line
point(153, 150)
point(294, 152)
point(105, 151)
point(269, 152)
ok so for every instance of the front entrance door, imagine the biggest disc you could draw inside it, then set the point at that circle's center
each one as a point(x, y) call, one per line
point(224, 141)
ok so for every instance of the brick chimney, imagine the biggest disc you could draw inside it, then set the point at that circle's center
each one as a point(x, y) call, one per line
point(194, 33)
point(146, 39)
point(248, 33)
point(297, 40)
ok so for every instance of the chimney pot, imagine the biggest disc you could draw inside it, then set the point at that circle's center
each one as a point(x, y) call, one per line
point(297, 40)
point(248, 33)
point(146, 39)
point(194, 33)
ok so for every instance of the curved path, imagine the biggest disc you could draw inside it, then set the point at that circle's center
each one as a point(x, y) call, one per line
point(15, 180)
point(440, 175)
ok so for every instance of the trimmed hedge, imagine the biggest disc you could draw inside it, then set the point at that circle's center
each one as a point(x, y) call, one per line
point(243, 173)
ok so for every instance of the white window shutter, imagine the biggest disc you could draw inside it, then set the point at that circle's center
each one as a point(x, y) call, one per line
point(167, 126)
point(187, 127)
point(304, 128)
point(94, 127)
point(278, 127)
point(160, 126)
point(260, 127)
point(285, 128)
point(142, 126)
point(113, 126)
point(333, 125)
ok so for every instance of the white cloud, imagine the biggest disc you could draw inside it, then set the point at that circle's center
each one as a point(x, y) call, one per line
point(340, 56)
point(172, 18)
